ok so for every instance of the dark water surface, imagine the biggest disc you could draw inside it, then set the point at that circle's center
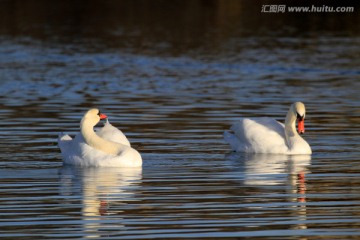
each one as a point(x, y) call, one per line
point(173, 77)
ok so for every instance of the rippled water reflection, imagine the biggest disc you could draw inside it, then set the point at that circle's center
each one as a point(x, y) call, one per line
point(174, 106)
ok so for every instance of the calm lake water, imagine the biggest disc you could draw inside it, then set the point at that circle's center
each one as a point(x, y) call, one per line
point(173, 91)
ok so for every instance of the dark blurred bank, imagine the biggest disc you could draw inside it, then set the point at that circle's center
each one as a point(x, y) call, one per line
point(174, 26)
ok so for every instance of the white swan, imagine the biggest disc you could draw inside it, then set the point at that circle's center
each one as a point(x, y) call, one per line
point(266, 135)
point(107, 147)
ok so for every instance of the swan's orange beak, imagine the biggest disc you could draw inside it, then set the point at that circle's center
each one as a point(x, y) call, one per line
point(102, 116)
point(301, 126)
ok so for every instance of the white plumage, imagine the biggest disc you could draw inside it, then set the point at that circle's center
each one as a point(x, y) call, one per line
point(108, 147)
point(266, 135)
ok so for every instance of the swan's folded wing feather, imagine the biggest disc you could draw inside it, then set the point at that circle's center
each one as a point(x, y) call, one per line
point(260, 135)
point(111, 133)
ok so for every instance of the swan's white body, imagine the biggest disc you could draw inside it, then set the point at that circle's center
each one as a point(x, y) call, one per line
point(108, 147)
point(266, 135)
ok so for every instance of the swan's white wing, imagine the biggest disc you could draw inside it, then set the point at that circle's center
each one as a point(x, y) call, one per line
point(111, 133)
point(257, 135)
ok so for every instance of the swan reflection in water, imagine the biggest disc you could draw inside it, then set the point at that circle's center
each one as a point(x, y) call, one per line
point(101, 191)
point(265, 170)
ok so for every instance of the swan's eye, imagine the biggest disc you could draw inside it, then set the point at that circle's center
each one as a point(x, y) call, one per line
point(99, 113)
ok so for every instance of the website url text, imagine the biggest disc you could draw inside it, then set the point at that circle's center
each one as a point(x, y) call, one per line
point(308, 9)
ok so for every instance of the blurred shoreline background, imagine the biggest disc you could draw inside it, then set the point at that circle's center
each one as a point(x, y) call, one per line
point(168, 27)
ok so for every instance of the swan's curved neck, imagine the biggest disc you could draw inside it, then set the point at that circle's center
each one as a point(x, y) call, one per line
point(92, 139)
point(290, 128)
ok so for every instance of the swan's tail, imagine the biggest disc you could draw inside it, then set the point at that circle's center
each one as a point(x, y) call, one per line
point(232, 140)
point(64, 137)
